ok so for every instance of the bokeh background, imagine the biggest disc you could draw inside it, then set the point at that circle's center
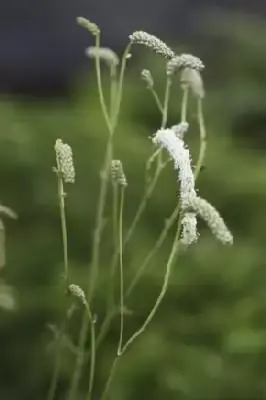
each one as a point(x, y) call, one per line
point(208, 340)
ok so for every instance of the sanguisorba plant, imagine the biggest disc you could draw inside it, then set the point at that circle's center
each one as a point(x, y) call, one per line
point(168, 144)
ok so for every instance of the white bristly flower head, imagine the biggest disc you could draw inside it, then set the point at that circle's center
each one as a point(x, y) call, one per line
point(212, 218)
point(192, 78)
point(65, 164)
point(117, 172)
point(76, 291)
point(180, 129)
point(184, 61)
point(151, 41)
point(105, 54)
point(175, 146)
point(189, 233)
point(90, 26)
point(147, 77)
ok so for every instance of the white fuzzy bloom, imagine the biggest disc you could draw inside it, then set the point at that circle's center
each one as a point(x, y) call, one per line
point(118, 175)
point(65, 162)
point(192, 78)
point(151, 41)
point(211, 216)
point(180, 129)
point(175, 146)
point(189, 233)
point(89, 25)
point(147, 77)
point(76, 291)
point(105, 54)
point(184, 61)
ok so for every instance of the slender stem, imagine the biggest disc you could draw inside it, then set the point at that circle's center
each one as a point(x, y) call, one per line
point(157, 100)
point(166, 102)
point(92, 351)
point(151, 314)
point(57, 365)
point(121, 272)
point(110, 378)
point(113, 91)
point(120, 85)
point(61, 199)
point(184, 104)
point(163, 291)
point(115, 214)
point(99, 84)
point(163, 235)
point(203, 138)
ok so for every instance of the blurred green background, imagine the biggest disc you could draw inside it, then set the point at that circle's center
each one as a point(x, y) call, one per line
point(208, 340)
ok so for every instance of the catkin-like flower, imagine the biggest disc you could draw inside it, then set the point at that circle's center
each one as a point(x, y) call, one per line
point(151, 41)
point(65, 162)
point(105, 54)
point(211, 216)
point(168, 139)
point(184, 61)
point(117, 172)
point(90, 26)
point(180, 129)
point(192, 78)
point(189, 233)
point(76, 291)
point(147, 77)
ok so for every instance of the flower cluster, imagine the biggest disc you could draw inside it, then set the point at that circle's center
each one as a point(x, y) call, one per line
point(151, 41)
point(65, 164)
point(117, 172)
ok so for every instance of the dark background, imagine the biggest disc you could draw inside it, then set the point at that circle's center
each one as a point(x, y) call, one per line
point(208, 341)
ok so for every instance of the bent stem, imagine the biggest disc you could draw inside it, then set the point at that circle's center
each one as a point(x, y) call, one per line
point(169, 265)
point(203, 138)
point(92, 350)
point(121, 272)
point(163, 235)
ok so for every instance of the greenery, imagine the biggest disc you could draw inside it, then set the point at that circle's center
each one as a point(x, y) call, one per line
point(208, 339)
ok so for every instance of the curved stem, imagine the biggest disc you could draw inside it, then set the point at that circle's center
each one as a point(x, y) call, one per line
point(92, 351)
point(163, 235)
point(157, 100)
point(99, 84)
point(203, 138)
point(184, 104)
point(120, 85)
point(121, 273)
point(163, 291)
point(151, 314)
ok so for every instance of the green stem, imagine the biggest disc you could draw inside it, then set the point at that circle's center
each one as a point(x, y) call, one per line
point(92, 351)
point(151, 314)
point(157, 100)
point(166, 102)
point(163, 235)
point(110, 378)
point(61, 199)
point(203, 139)
point(169, 265)
point(120, 85)
point(121, 272)
point(99, 84)
point(184, 104)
